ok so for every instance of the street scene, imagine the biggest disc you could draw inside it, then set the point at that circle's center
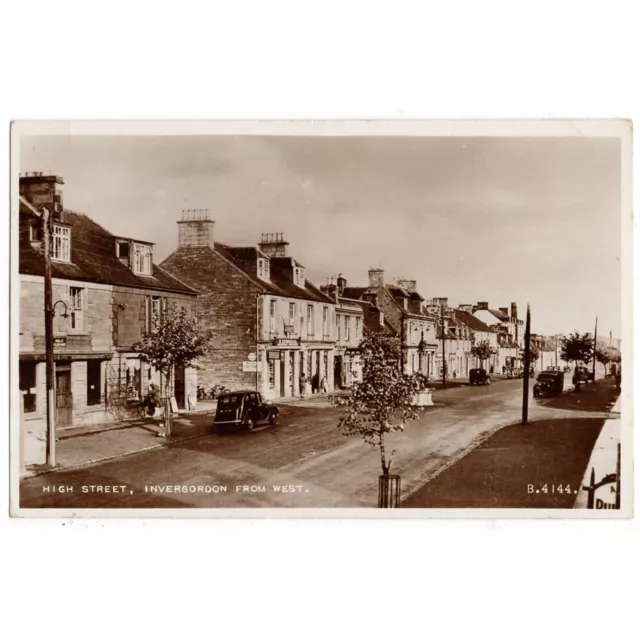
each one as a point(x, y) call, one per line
point(255, 322)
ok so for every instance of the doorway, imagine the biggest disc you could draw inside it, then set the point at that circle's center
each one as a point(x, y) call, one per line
point(178, 387)
point(337, 372)
point(64, 395)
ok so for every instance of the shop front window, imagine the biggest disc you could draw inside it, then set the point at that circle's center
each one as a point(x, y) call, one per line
point(28, 386)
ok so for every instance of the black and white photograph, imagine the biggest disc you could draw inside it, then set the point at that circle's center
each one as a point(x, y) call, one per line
point(392, 319)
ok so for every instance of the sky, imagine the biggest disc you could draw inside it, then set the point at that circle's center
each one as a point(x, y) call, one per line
point(498, 219)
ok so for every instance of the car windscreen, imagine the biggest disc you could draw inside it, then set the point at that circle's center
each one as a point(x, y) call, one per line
point(547, 377)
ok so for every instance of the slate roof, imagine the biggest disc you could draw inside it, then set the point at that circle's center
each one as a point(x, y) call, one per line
point(471, 321)
point(93, 258)
point(503, 317)
point(280, 282)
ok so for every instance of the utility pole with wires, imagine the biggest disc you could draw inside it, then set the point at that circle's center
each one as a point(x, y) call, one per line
point(595, 347)
point(444, 362)
point(45, 218)
point(525, 377)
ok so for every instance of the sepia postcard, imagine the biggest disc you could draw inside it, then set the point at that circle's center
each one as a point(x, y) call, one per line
point(396, 319)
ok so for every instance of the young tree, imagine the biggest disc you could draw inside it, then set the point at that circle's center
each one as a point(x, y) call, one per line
point(534, 352)
point(174, 341)
point(381, 402)
point(577, 348)
point(482, 350)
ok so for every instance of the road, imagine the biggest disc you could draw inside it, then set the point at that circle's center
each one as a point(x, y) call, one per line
point(304, 453)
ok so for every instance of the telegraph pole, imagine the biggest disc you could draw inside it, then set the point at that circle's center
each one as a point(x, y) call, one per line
point(45, 218)
point(595, 346)
point(525, 383)
point(444, 363)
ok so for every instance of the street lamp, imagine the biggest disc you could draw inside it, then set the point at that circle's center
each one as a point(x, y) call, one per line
point(65, 313)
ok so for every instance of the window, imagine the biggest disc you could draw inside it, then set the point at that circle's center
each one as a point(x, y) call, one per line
point(28, 385)
point(155, 312)
point(76, 307)
point(94, 377)
point(272, 316)
point(325, 321)
point(263, 269)
point(272, 374)
point(122, 249)
point(347, 328)
point(61, 243)
point(310, 328)
point(292, 312)
point(338, 320)
point(357, 328)
point(141, 259)
point(298, 276)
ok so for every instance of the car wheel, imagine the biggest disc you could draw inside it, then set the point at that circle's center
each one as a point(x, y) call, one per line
point(273, 417)
point(249, 424)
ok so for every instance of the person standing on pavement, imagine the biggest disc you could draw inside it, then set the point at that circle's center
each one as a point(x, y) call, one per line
point(303, 385)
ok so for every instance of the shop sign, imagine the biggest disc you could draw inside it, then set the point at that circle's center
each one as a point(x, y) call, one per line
point(60, 341)
point(289, 329)
point(252, 357)
point(251, 366)
point(285, 342)
point(273, 355)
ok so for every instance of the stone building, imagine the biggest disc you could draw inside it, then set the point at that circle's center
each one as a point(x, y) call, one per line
point(509, 327)
point(401, 308)
point(349, 328)
point(105, 291)
point(453, 340)
point(269, 323)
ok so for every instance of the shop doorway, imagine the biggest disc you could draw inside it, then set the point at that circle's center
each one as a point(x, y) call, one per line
point(64, 395)
point(178, 387)
point(337, 372)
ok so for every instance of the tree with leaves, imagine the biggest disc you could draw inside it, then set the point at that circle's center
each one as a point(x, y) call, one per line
point(482, 351)
point(173, 341)
point(381, 403)
point(577, 348)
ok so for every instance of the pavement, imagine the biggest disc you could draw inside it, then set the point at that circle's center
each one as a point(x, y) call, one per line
point(304, 454)
point(537, 466)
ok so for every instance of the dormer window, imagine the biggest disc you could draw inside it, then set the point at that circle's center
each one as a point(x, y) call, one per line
point(141, 259)
point(122, 249)
point(61, 243)
point(263, 269)
point(298, 276)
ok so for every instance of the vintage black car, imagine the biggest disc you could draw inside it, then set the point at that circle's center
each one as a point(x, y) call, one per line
point(244, 409)
point(479, 376)
point(549, 383)
point(581, 374)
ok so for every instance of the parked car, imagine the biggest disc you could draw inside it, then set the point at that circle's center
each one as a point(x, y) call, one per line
point(553, 368)
point(567, 369)
point(581, 374)
point(479, 376)
point(244, 409)
point(517, 372)
point(549, 383)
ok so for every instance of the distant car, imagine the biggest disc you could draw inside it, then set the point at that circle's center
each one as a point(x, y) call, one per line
point(553, 368)
point(549, 383)
point(515, 373)
point(581, 374)
point(567, 369)
point(479, 376)
point(244, 409)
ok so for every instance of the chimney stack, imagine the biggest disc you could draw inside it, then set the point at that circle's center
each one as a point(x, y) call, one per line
point(504, 310)
point(342, 283)
point(376, 278)
point(43, 191)
point(408, 285)
point(273, 245)
point(482, 306)
point(195, 229)
point(514, 310)
point(466, 307)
